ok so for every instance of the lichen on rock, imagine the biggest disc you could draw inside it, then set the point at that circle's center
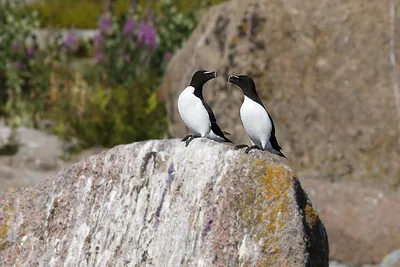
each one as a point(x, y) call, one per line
point(159, 203)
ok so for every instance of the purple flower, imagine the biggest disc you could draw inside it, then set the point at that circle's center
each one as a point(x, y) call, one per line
point(147, 35)
point(70, 40)
point(129, 26)
point(15, 46)
point(98, 40)
point(167, 56)
point(100, 57)
point(105, 24)
point(127, 58)
point(30, 51)
point(17, 65)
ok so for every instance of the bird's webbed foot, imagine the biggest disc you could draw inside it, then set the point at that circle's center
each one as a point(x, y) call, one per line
point(186, 137)
point(251, 148)
point(240, 147)
point(190, 139)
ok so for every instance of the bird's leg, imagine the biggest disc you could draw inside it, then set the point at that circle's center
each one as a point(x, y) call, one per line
point(186, 137)
point(190, 139)
point(250, 148)
point(240, 147)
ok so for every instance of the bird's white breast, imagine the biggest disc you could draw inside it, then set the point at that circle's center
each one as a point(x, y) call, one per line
point(193, 113)
point(256, 122)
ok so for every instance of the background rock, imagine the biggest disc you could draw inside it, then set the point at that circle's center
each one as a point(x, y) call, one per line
point(362, 222)
point(158, 203)
point(37, 150)
point(331, 89)
point(39, 157)
point(392, 259)
point(337, 264)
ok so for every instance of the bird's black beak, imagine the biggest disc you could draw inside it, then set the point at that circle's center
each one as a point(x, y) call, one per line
point(211, 74)
point(233, 79)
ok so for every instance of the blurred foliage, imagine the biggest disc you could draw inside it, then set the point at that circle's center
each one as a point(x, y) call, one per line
point(84, 14)
point(103, 92)
point(23, 73)
point(18, 58)
point(106, 116)
point(68, 13)
point(123, 105)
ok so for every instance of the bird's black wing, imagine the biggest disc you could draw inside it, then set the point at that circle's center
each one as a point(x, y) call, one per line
point(258, 100)
point(214, 126)
point(274, 142)
point(276, 146)
point(209, 111)
point(270, 118)
point(272, 122)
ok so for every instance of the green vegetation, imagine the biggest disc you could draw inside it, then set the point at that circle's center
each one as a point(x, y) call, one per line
point(85, 14)
point(69, 13)
point(102, 92)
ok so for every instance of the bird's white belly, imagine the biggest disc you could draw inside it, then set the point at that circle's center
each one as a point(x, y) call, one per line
point(256, 122)
point(193, 113)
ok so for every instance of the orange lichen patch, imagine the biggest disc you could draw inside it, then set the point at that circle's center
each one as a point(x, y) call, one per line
point(311, 215)
point(275, 181)
point(9, 207)
point(3, 230)
point(244, 27)
point(234, 39)
point(259, 163)
point(265, 206)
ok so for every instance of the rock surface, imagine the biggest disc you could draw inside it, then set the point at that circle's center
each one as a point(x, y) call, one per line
point(323, 70)
point(39, 157)
point(362, 222)
point(158, 203)
point(391, 260)
point(38, 150)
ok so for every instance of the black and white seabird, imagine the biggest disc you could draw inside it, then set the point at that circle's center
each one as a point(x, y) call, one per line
point(256, 120)
point(196, 113)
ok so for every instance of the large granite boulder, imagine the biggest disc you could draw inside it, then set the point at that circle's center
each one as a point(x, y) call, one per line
point(326, 71)
point(159, 203)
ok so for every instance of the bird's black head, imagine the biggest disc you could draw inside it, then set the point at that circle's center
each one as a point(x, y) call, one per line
point(201, 77)
point(245, 82)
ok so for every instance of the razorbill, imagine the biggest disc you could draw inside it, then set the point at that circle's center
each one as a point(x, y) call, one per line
point(196, 113)
point(256, 120)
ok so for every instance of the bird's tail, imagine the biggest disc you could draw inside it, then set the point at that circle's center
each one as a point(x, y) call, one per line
point(224, 137)
point(279, 153)
point(217, 134)
point(227, 140)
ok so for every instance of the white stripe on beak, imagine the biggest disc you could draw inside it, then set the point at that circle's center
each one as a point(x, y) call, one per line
point(213, 72)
